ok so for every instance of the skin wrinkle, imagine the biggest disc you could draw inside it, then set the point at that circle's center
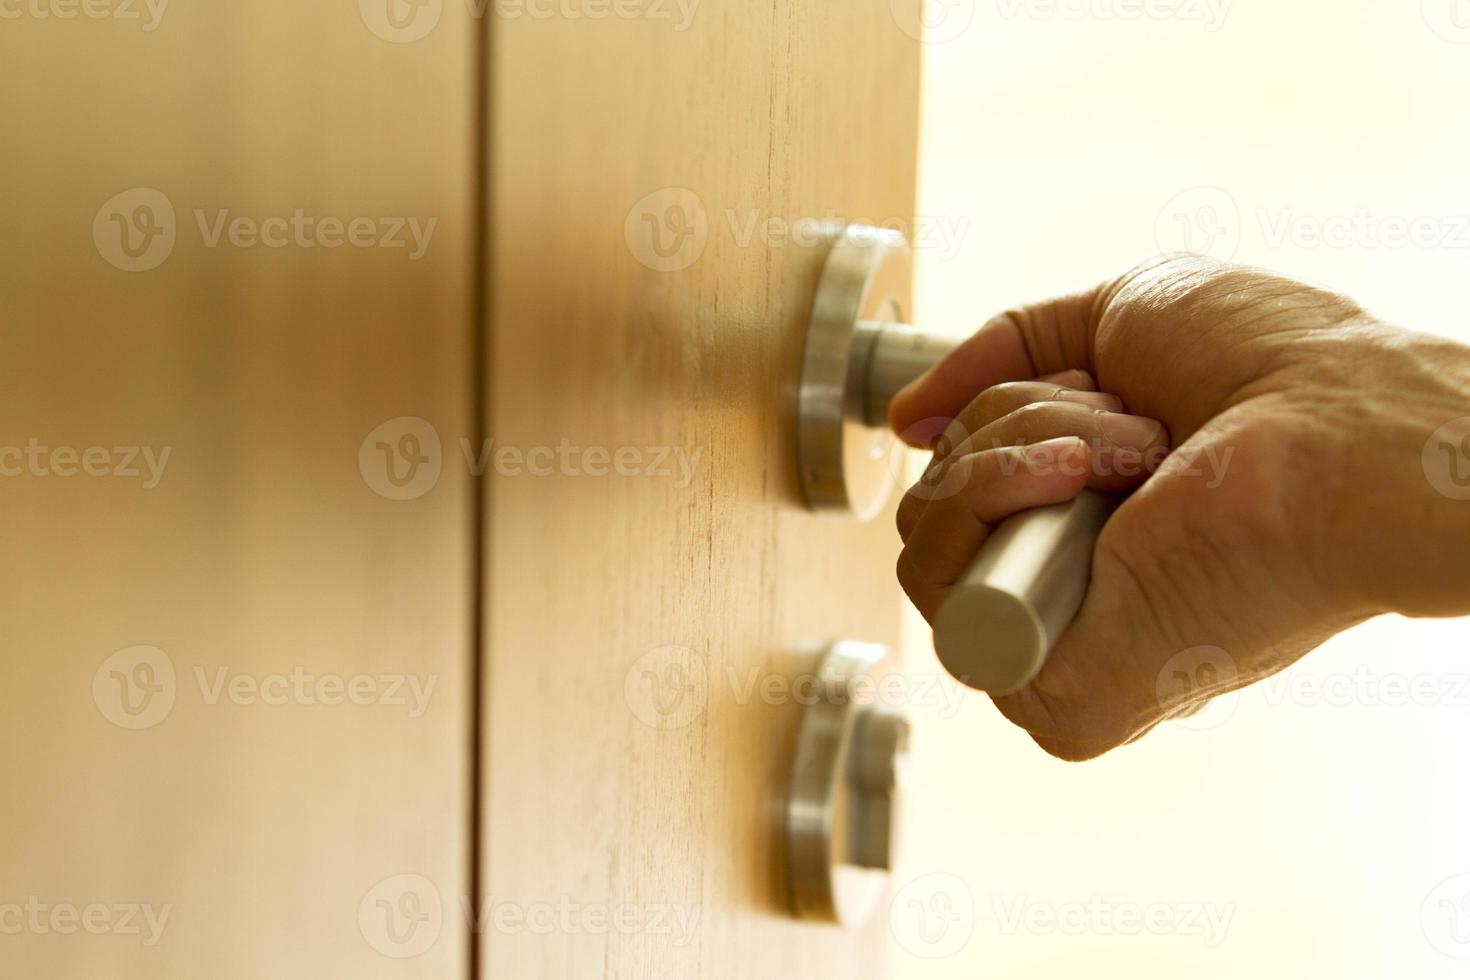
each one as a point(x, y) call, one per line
point(1319, 414)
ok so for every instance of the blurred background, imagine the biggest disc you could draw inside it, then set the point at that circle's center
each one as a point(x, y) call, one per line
point(1312, 825)
point(1316, 819)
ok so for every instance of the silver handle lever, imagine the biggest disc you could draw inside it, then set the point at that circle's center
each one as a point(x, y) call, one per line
point(1029, 578)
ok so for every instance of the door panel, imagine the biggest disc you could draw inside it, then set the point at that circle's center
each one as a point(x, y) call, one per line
point(261, 818)
point(645, 298)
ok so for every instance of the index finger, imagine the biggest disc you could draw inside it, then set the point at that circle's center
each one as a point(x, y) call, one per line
point(1015, 346)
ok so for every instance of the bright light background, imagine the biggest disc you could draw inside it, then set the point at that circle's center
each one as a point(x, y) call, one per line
point(1062, 142)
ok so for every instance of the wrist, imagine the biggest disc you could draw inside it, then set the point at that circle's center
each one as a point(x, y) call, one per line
point(1403, 511)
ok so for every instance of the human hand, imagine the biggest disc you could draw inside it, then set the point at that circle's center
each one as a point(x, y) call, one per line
point(1294, 504)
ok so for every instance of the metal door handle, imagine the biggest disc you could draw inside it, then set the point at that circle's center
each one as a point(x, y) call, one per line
point(842, 808)
point(1028, 580)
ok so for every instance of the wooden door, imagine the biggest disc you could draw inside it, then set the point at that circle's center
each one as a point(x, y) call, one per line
point(176, 802)
point(656, 571)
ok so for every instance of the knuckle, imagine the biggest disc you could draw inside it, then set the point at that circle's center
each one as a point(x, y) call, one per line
point(1035, 417)
point(907, 515)
point(907, 571)
point(1006, 394)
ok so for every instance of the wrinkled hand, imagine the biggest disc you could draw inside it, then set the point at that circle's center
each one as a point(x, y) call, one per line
point(1294, 502)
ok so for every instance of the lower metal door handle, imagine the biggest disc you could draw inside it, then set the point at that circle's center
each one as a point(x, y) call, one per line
point(1028, 580)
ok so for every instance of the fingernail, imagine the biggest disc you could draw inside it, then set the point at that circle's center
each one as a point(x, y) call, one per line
point(1129, 431)
point(1092, 399)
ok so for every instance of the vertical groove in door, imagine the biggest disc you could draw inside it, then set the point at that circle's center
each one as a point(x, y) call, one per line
point(479, 426)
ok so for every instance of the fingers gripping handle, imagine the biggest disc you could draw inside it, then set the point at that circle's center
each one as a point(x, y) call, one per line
point(996, 629)
point(1024, 588)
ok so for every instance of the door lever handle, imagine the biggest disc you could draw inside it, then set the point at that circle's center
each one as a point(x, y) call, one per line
point(1002, 618)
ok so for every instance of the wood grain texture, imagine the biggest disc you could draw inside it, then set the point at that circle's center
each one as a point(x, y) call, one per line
point(628, 762)
point(262, 549)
